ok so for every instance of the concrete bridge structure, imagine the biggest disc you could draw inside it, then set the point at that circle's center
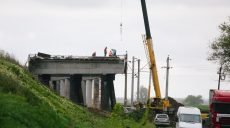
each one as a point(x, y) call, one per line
point(83, 80)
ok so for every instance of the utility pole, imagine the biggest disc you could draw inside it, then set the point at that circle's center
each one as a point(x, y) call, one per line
point(132, 82)
point(126, 68)
point(138, 79)
point(167, 77)
point(220, 76)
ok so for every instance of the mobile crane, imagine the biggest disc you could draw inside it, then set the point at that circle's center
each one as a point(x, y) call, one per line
point(158, 102)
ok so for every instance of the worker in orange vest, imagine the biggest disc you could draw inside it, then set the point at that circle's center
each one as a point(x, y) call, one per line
point(110, 53)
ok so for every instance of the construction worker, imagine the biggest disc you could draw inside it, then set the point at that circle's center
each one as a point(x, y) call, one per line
point(105, 51)
point(94, 54)
point(114, 52)
point(110, 53)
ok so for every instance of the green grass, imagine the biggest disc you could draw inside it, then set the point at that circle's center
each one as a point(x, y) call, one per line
point(26, 103)
point(16, 111)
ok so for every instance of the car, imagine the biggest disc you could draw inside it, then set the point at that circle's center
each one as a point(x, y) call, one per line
point(162, 120)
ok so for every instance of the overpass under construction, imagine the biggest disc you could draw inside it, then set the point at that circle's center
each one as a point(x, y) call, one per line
point(85, 80)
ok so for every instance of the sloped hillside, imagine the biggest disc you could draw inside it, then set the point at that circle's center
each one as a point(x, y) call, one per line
point(26, 103)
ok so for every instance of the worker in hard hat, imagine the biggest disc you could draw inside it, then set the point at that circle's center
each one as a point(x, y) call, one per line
point(105, 51)
point(94, 54)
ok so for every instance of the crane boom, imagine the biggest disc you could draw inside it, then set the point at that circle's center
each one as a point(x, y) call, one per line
point(149, 45)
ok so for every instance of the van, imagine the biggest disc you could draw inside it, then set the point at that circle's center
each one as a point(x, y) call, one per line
point(188, 117)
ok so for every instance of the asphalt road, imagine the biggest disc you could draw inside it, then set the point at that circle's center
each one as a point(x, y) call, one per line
point(174, 127)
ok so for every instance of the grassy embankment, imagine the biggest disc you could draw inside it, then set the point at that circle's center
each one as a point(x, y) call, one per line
point(26, 103)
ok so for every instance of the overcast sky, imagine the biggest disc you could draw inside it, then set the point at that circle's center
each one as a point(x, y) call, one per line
point(182, 29)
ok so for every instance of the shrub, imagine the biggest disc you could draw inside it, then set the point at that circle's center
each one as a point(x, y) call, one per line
point(117, 110)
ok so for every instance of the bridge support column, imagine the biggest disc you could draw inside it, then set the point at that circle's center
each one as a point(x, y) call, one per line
point(58, 88)
point(104, 94)
point(55, 86)
point(76, 90)
point(108, 99)
point(51, 85)
point(83, 86)
point(89, 93)
point(96, 94)
point(62, 88)
point(44, 79)
point(110, 79)
point(67, 88)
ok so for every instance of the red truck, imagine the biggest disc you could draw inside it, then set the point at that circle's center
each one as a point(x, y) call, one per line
point(219, 105)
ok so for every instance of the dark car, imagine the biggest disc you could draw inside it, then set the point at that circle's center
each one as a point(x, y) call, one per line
point(162, 120)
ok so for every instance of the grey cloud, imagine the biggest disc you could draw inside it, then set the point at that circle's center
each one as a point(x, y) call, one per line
point(74, 3)
point(225, 3)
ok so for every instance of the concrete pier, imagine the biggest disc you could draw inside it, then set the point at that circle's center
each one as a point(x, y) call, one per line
point(83, 86)
point(96, 94)
point(105, 102)
point(63, 88)
point(89, 93)
point(76, 93)
point(44, 79)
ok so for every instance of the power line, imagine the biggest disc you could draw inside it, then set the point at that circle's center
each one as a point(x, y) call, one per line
point(121, 24)
point(129, 67)
point(144, 66)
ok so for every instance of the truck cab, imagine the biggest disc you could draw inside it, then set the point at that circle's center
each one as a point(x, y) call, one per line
point(219, 105)
point(188, 117)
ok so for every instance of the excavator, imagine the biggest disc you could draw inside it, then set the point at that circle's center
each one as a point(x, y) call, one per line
point(158, 102)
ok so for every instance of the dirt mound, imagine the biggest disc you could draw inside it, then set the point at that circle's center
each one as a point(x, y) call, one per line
point(174, 104)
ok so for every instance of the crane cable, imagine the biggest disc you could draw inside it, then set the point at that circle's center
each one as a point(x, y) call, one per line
point(121, 24)
point(146, 50)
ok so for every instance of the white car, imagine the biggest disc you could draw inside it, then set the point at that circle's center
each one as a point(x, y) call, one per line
point(162, 120)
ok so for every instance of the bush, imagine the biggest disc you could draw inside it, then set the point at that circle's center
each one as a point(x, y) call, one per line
point(137, 114)
point(117, 110)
